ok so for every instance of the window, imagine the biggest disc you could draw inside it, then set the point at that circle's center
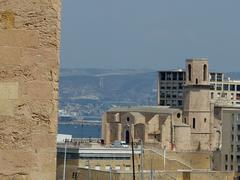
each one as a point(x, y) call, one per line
point(238, 159)
point(212, 77)
point(180, 94)
point(205, 72)
point(232, 87)
point(205, 120)
point(238, 127)
point(219, 77)
point(224, 95)
point(232, 137)
point(231, 157)
point(231, 167)
point(196, 81)
point(163, 76)
point(174, 76)
point(169, 76)
point(226, 167)
point(185, 120)
point(128, 119)
point(232, 96)
point(219, 87)
point(212, 95)
point(189, 72)
point(238, 96)
point(225, 87)
point(180, 76)
point(226, 157)
point(212, 86)
point(162, 95)
point(168, 94)
point(180, 85)
point(162, 102)
point(238, 87)
point(238, 148)
point(194, 123)
point(180, 103)
point(168, 102)
point(238, 169)
point(238, 137)
point(231, 150)
point(174, 95)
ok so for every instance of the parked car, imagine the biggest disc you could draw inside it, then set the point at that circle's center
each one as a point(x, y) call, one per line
point(119, 144)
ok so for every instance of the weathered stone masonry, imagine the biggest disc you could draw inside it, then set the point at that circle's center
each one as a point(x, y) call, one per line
point(29, 65)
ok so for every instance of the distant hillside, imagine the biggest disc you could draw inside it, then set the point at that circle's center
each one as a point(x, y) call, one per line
point(90, 92)
point(137, 86)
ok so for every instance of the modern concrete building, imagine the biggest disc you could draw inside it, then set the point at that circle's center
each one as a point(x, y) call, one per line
point(170, 88)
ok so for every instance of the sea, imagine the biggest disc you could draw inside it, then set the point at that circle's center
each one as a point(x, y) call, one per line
point(80, 131)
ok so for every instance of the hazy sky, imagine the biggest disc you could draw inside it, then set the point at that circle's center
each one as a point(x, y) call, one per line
point(155, 34)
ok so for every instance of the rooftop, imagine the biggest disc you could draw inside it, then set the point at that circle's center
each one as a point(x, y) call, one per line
point(150, 109)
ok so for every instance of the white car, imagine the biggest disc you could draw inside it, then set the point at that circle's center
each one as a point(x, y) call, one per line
point(119, 144)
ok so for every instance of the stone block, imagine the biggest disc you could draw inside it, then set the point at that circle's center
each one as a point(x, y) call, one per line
point(38, 90)
point(10, 55)
point(9, 90)
point(6, 107)
point(19, 38)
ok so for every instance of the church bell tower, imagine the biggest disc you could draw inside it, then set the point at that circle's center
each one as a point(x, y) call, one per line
point(197, 110)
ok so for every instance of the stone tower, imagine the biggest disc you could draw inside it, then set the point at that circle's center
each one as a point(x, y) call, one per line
point(29, 65)
point(197, 110)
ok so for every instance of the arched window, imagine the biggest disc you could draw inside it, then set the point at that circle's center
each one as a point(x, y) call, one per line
point(189, 72)
point(197, 81)
point(205, 72)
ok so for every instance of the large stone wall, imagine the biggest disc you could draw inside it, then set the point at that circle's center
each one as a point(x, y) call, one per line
point(29, 65)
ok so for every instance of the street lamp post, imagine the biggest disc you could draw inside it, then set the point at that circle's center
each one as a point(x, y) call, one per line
point(164, 157)
point(65, 160)
point(133, 163)
point(142, 175)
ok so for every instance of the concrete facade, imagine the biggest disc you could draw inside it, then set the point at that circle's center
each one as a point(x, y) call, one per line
point(29, 58)
point(223, 91)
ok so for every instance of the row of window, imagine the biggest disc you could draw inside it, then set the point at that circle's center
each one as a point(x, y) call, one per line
point(171, 86)
point(175, 76)
point(225, 95)
point(108, 167)
point(171, 95)
point(171, 103)
point(225, 87)
point(216, 77)
point(227, 159)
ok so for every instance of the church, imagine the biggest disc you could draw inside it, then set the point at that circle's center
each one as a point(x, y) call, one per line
point(198, 126)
